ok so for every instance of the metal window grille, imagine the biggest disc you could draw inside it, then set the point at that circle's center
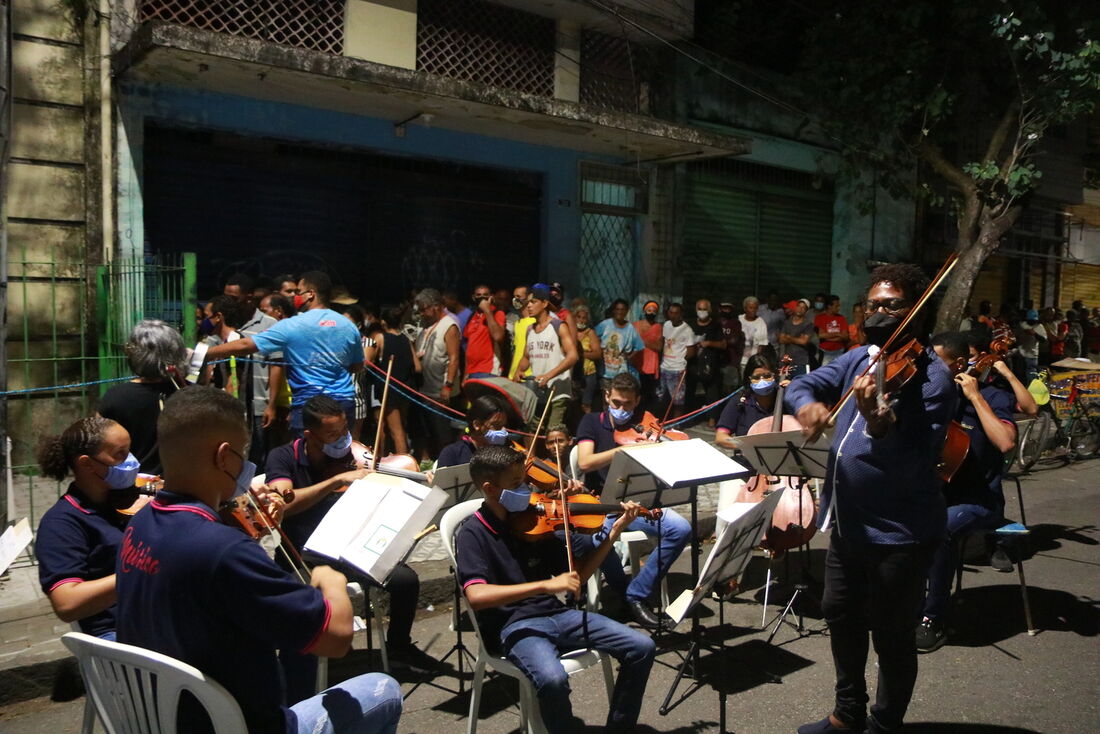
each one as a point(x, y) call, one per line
point(482, 42)
point(611, 199)
point(614, 73)
point(314, 24)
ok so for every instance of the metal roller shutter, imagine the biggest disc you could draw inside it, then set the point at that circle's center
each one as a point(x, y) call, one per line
point(1080, 282)
point(750, 229)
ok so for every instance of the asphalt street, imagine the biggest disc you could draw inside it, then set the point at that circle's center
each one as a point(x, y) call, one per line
point(990, 677)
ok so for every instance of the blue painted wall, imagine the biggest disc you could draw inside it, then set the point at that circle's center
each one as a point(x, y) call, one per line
point(139, 103)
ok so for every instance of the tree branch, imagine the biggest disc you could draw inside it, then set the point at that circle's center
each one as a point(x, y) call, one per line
point(952, 173)
point(1001, 132)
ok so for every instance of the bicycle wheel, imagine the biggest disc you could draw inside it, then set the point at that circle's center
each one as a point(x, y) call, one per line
point(1034, 440)
point(1084, 438)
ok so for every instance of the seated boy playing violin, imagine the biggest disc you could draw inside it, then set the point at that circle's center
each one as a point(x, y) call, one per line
point(596, 448)
point(512, 585)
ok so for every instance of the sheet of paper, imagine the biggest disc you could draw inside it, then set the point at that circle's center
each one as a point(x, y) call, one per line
point(348, 516)
point(383, 526)
point(680, 463)
point(13, 542)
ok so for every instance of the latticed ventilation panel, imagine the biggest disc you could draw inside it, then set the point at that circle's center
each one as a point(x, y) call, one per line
point(608, 248)
point(614, 73)
point(482, 42)
point(314, 24)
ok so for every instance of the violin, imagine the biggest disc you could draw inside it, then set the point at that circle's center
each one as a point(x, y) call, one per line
point(546, 515)
point(998, 350)
point(648, 430)
point(543, 474)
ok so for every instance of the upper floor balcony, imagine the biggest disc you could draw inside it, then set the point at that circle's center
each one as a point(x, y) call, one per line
point(557, 72)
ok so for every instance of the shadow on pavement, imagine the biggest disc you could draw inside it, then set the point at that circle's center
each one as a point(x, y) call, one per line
point(1046, 537)
point(972, 624)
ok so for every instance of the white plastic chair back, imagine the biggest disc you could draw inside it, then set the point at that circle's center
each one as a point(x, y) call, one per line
point(138, 690)
point(575, 464)
point(448, 525)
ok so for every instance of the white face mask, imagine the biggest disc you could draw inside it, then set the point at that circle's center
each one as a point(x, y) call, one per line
point(702, 314)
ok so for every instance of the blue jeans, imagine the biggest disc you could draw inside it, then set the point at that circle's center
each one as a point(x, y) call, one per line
point(533, 645)
point(365, 704)
point(675, 534)
point(296, 426)
point(960, 519)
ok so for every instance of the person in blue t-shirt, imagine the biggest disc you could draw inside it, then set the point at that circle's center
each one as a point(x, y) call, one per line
point(513, 584)
point(880, 501)
point(78, 538)
point(321, 348)
point(206, 594)
point(619, 340)
point(974, 497)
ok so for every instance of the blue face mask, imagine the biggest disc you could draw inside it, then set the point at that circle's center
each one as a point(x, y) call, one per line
point(497, 438)
point(620, 415)
point(244, 477)
point(123, 476)
point(764, 387)
point(339, 448)
point(516, 500)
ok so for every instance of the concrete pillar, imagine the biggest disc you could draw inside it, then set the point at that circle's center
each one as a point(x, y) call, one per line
point(567, 61)
point(383, 31)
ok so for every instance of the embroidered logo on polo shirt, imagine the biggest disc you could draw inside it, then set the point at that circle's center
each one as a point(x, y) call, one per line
point(326, 322)
point(136, 556)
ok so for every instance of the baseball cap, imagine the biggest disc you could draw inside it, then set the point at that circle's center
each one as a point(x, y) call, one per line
point(540, 291)
point(791, 305)
point(806, 301)
point(1032, 315)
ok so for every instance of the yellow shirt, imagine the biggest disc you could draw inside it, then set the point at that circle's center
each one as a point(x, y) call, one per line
point(521, 345)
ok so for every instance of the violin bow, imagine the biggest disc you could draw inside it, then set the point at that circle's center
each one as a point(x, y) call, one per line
point(381, 417)
point(944, 271)
point(538, 429)
point(565, 515)
point(289, 551)
point(668, 408)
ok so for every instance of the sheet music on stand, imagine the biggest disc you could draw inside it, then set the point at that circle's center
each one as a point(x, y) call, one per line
point(782, 454)
point(746, 524)
point(667, 473)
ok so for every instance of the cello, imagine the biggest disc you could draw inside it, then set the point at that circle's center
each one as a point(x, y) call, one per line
point(793, 519)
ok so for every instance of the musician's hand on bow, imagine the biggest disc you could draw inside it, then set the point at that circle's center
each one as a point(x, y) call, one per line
point(814, 418)
point(1001, 366)
point(969, 385)
point(572, 487)
point(564, 583)
point(344, 479)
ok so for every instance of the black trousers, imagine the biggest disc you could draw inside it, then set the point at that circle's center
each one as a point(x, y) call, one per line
point(874, 590)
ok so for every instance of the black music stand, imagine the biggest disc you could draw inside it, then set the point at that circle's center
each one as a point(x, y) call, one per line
point(670, 473)
point(786, 454)
point(728, 558)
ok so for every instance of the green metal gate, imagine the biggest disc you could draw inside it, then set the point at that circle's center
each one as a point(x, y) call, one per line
point(127, 291)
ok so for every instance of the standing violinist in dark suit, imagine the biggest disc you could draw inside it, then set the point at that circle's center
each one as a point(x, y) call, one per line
point(881, 503)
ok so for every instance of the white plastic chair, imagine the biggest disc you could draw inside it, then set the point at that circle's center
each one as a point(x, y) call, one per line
point(635, 542)
point(573, 662)
point(87, 724)
point(138, 690)
point(361, 601)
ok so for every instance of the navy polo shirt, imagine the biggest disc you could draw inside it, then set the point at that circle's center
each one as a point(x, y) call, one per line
point(204, 593)
point(883, 490)
point(291, 461)
point(738, 416)
point(456, 454)
point(78, 541)
point(978, 479)
point(598, 429)
point(489, 553)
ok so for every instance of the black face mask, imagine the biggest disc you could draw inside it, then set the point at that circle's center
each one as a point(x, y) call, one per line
point(651, 317)
point(726, 314)
point(879, 326)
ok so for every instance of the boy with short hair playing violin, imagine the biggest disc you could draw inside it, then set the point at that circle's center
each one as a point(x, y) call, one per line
point(512, 585)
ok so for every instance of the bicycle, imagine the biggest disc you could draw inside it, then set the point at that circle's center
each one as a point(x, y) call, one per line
point(1077, 436)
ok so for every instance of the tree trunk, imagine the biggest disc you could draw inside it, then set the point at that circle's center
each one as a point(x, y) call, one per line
point(972, 255)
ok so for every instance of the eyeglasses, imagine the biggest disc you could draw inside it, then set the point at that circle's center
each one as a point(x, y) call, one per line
point(892, 306)
point(762, 378)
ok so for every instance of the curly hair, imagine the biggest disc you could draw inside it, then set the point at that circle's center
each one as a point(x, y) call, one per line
point(910, 279)
point(57, 454)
